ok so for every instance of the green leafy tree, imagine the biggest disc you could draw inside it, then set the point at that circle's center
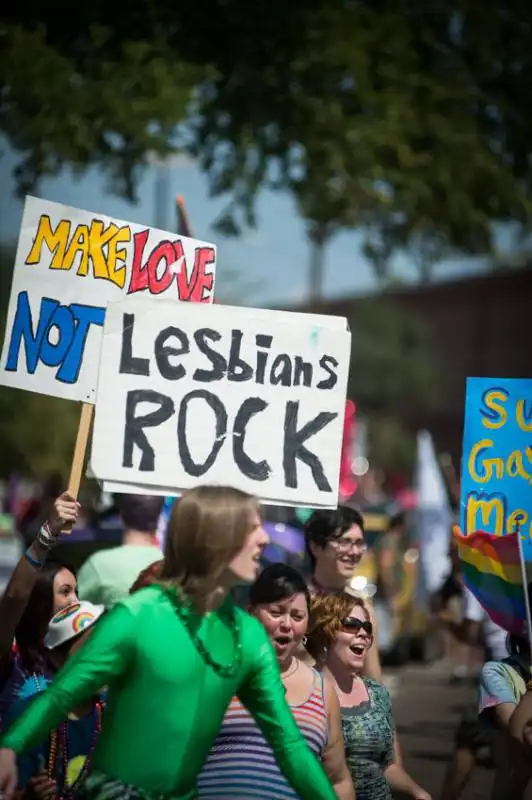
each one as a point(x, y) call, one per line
point(91, 86)
point(408, 125)
point(404, 124)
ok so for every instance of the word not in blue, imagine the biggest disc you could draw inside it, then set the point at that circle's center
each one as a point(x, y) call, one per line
point(71, 323)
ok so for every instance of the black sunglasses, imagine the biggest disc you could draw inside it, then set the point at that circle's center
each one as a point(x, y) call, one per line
point(355, 624)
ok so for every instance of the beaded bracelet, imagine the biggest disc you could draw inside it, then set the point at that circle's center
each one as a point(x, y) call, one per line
point(45, 537)
point(32, 561)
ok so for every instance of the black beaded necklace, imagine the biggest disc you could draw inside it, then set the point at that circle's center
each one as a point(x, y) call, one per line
point(185, 611)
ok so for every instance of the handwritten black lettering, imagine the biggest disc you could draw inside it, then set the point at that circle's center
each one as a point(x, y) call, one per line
point(263, 341)
point(163, 351)
point(238, 369)
point(294, 447)
point(281, 371)
point(302, 372)
point(173, 343)
point(219, 364)
point(329, 364)
point(134, 426)
point(130, 364)
point(255, 470)
point(190, 466)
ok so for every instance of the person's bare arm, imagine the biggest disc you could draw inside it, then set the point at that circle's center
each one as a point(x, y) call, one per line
point(520, 726)
point(372, 663)
point(373, 669)
point(397, 751)
point(334, 756)
point(503, 713)
point(18, 590)
point(400, 781)
point(17, 593)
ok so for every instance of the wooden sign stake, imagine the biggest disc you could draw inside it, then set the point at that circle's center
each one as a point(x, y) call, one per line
point(80, 451)
point(183, 222)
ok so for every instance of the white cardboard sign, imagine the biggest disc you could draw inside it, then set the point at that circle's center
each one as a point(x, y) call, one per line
point(193, 394)
point(69, 265)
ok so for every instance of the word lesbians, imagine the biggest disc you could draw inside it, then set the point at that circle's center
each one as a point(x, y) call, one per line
point(173, 342)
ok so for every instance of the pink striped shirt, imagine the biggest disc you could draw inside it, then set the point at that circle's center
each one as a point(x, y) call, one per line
point(242, 764)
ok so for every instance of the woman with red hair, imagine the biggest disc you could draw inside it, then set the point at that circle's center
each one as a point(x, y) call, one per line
point(340, 636)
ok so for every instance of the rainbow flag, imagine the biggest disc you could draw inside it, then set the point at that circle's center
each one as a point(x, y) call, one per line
point(491, 569)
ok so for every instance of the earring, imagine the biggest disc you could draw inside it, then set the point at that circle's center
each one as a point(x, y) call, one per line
point(304, 641)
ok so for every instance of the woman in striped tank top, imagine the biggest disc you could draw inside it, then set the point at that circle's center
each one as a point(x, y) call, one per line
point(241, 764)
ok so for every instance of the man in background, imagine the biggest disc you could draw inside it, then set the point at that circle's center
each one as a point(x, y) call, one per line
point(107, 575)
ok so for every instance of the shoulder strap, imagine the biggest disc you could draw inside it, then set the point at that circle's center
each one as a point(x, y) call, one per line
point(319, 685)
point(522, 670)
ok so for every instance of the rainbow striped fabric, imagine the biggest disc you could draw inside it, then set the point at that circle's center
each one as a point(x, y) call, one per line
point(491, 569)
point(241, 763)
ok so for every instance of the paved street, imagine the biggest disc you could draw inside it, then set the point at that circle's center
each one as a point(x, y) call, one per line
point(427, 710)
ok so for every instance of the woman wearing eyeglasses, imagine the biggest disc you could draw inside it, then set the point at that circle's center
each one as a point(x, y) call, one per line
point(340, 636)
point(335, 546)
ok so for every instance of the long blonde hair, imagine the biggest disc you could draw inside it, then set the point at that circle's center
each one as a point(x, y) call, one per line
point(207, 528)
